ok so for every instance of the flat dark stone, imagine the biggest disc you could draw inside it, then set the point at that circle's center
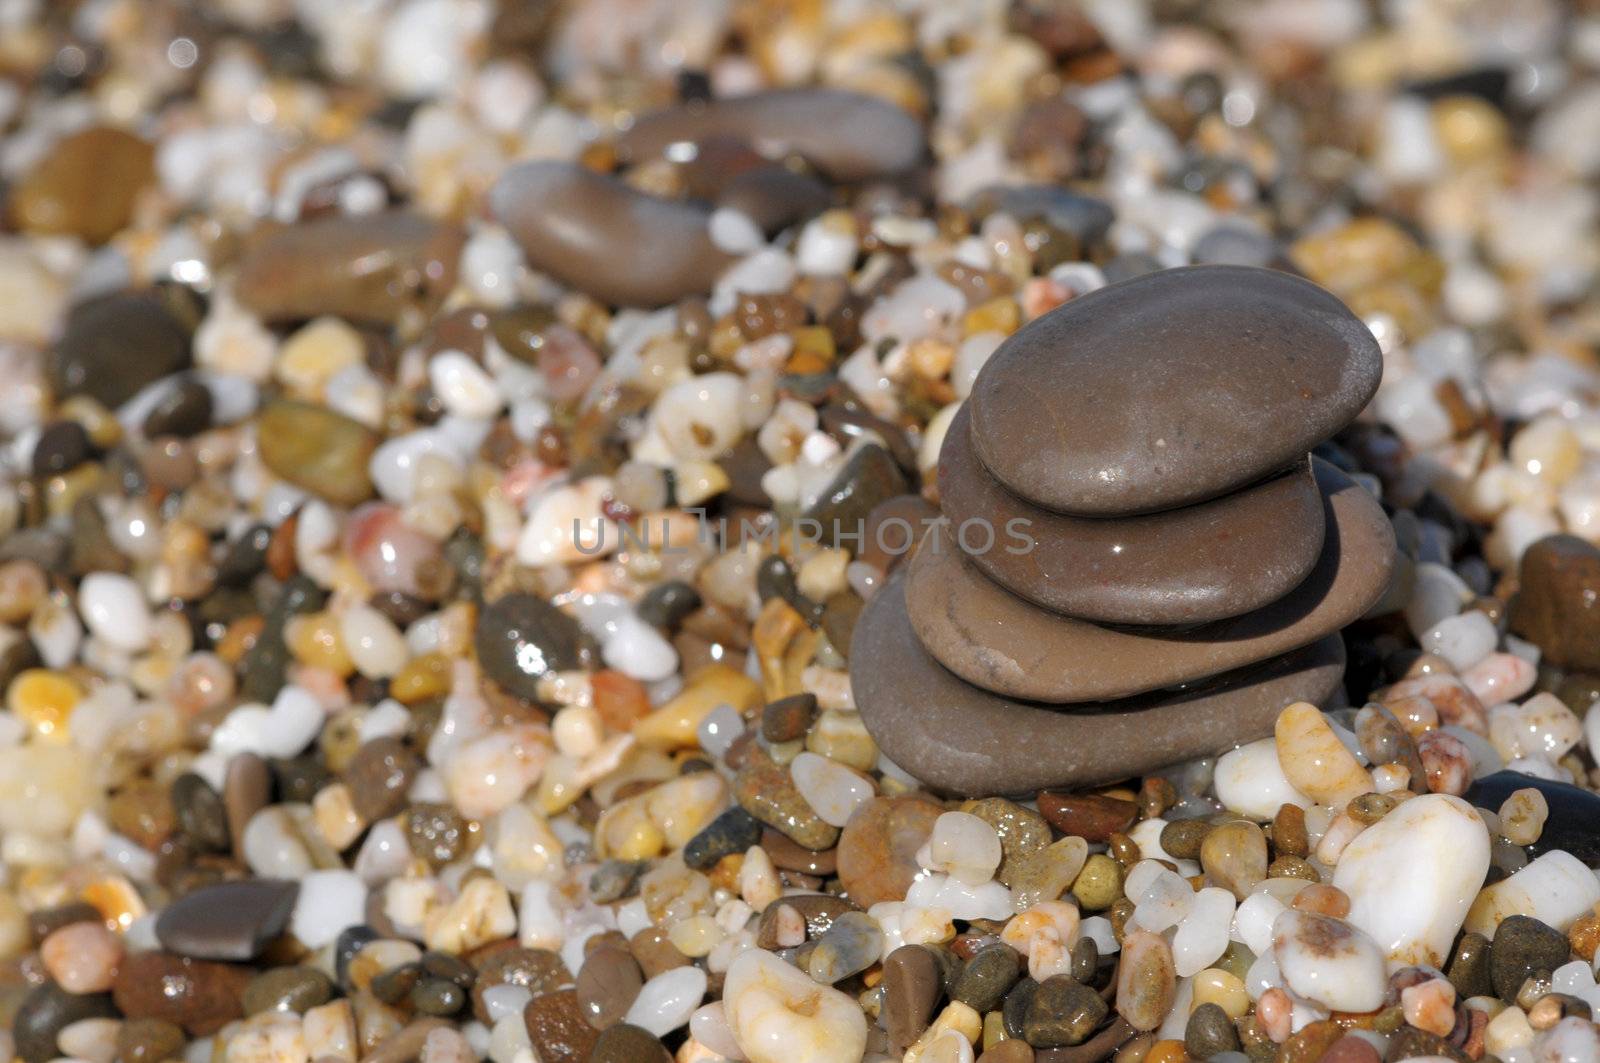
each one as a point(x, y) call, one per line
point(963, 740)
point(229, 921)
point(113, 345)
point(849, 136)
point(1000, 642)
point(1203, 562)
point(1574, 820)
point(1170, 389)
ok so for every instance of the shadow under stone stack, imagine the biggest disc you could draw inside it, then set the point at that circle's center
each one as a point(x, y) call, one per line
point(1190, 563)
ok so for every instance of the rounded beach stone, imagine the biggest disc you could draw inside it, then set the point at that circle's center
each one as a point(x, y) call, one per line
point(1170, 388)
point(957, 738)
point(228, 921)
point(849, 136)
point(1203, 562)
point(360, 267)
point(113, 345)
point(992, 638)
point(598, 235)
point(86, 186)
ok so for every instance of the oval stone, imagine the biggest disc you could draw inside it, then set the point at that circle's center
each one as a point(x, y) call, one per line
point(992, 638)
point(959, 739)
point(86, 186)
point(369, 267)
point(849, 136)
point(1170, 388)
point(1203, 562)
point(113, 345)
point(594, 233)
point(318, 449)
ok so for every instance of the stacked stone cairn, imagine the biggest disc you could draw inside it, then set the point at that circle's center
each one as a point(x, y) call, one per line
point(1141, 563)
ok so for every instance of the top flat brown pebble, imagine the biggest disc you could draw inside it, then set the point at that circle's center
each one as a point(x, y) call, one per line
point(1203, 562)
point(1170, 388)
point(992, 638)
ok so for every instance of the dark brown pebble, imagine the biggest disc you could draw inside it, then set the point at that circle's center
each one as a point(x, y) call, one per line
point(199, 995)
point(1062, 1012)
point(202, 816)
point(654, 952)
point(787, 855)
point(61, 446)
point(379, 775)
point(1557, 604)
point(625, 1043)
point(1089, 816)
point(1097, 1049)
point(46, 1011)
point(912, 987)
point(114, 345)
point(520, 636)
point(183, 410)
point(42, 922)
point(557, 1028)
point(435, 832)
point(607, 985)
point(788, 718)
point(988, 977)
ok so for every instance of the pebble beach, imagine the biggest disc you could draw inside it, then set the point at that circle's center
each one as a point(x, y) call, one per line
point(799, 531)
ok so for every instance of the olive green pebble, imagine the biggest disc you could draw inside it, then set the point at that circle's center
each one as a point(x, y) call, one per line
point(1182, 838)
point(991, 972)
point(1524, 948)
point(1209, 1032)
point(1062, 1012)
point(1085, 958)
point(1293, 867)
point(149, 1041)
point(1099, 884)
point(295, 989)
point(1254, 1042)
point(395, 984)
point(1369, 808)
point(624, 1043)
point(435, 832)
point(1236, 959)
point(438, 996)
point(1469, 967)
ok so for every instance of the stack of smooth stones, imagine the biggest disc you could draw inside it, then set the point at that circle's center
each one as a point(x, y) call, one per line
point(1140, 562)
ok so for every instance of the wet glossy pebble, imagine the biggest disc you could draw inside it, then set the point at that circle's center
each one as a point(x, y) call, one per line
point(86, 185)
point(878, 847)
point(520, 637)
point(315, 448)
point(607, 985)
point(1062, 1012)
point(295, 989)
point(912, 986)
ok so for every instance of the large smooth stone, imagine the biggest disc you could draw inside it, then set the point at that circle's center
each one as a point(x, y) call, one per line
point(1203, 562)
point(847, 135)
point(992, 638)
point(594, 233)
point(1170, 388)
point(371, 267)
point(1442, 846)
point(963, 740)
point(1573, 824)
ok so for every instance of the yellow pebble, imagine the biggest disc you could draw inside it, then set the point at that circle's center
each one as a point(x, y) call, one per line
point(314, 640)
point(1314, 760)
point(317, 352)
point(1000, 314)
point(674, 724)
point(1469, 129)
point(44, 700)
point(1216, 986)
point(421, 678)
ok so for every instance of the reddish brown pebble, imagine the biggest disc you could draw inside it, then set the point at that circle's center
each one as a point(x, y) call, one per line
point(1090, 816)
point(199, 995)
point(557, 1028)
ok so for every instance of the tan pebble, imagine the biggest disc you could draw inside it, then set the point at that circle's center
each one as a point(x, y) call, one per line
point(1522, 816)
point(82, 957)
point(1314, 760)
point(1146, 980)
point(1234, 856)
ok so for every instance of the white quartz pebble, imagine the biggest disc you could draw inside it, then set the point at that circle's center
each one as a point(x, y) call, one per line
point(1501, 677)
point(375, 645)
point(566, 525)
point(834, 791)
point(328, 903)
point(283, 730)
point(115, 611)
point(991, 900)
point(1463, 640)
point(1164, 903)
point(667, 1000)
point(639, 651)
point(1555, 888)
point(1253, 920)
point(1444, 847)
point(1203, 935)
point(1328, 961)
point(1250, 781)
point(779, 1015)
point(1541, 726)
point(964, 846)
point(462, 385)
